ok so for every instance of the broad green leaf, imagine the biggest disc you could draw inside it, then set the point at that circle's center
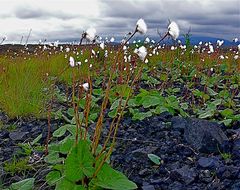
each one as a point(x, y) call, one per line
point(53, 158)
point(79, 162)
point(160, 109)
point(112, 113)
point(206, 114)
point(154, 158)
point(211, 92)
point(132, 102)
point(227, 113)
point(60, 131)
point(53, 177)
point(141, 115)
point(217, 102)
point(149, 101)
point(70, 112)
point(227, 122)
point(66, 144)
point(65, 184)
point(26, 184)
point(111, 179)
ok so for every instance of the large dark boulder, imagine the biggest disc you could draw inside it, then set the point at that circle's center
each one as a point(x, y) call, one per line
point(205, 136)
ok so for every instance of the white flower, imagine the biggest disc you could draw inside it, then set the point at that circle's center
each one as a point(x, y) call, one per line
point(211, 69)
point(172, 48)
point(220, 42)
point(90, 34)
point(200, 43)
point(141, 26)
point(85, 86)
point(79, 63)
point(146, 61)
point(236, 57)
point(235, 40)
point(147, 40)
point(4, 38)
point(102, 45)
point(141, 52)
point(86, 60)
point(71, 61)
point(211, 50)
point(112, 39)
point(238, 47)
point(56, 43)
point(173, 30)
point(221, 57)
point(67, 49)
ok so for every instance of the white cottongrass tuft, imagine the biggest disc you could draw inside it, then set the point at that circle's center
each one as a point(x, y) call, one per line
point(90, 34)
point(112, 39)
point(235, 40)
point(141, 26)
point(71, 61)
point(102, 45)
point(141, 52)
point(220, 42)
point(236, 57)
point(173, 30)
point(67, 49)
point(221, 57)
point(85, 86)
point(211, 50)
point(147, 40)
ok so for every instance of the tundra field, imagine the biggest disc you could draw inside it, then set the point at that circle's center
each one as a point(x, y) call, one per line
point(163, 115)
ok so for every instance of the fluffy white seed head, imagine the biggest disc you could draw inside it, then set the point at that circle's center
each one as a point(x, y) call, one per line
point(90, 34)
point(71, 61)
point(141, 52)
point(141, 26)
point(85, 86)
point(173, 30)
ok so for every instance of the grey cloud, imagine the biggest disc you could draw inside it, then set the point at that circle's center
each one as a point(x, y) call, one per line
point(36, 13)
point(216, 17)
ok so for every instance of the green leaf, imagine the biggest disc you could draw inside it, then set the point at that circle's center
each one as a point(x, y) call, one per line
point(60, 131)
point(53, 158)
point(227, 113)
point(206, 114)
point(53, 177)
point(160, 109)
point(141, 115)
point(79, 162)
point(111, 179)
point(227, 122)
point(66, 144)
point(217, 102)
point(26, 184)
point(211, 92)
point(70, 112)
point(36, 139)
point(154, 158)
point(112, 113)
point(65, 184)
point(149, 101)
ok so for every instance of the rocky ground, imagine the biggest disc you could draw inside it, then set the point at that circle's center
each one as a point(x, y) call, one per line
point(195, 154)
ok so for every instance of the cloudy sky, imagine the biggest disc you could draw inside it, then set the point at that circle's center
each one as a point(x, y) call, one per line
point(66, 19)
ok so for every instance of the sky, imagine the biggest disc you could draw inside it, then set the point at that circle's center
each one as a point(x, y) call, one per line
point(67, 19)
